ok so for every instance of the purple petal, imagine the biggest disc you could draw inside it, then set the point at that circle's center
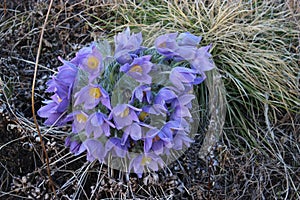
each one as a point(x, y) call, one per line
point(46, 110)
point(124, 137)
point(157, 147)
point(166, 44)
point(106, 129)
point(188, 39)
point(135, 131)
point(203, 61)
point(185, 99)
point(95, 149)
point(125, 68)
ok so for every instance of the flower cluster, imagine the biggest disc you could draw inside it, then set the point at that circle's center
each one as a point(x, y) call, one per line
point(135, 104)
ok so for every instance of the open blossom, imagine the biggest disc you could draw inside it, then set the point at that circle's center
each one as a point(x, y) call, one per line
point(139, 69)
point(145, 160)
point(79, 121)
point(98, 124)
point(126, 45)
point(90, 60)
point(91, 95)
point(167, 45)
point(123, 115)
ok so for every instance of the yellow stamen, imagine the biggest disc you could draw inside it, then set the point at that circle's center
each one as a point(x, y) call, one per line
point(145, 160)
point(125, 113)
point(162, 45)
point(81, 118)
point(95, 93)
point(156, 138)
point(59, 99)
point(136, 68)
point(143, 115)
point(93, 62)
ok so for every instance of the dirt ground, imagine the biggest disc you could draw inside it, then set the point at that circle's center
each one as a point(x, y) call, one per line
point(227, 173)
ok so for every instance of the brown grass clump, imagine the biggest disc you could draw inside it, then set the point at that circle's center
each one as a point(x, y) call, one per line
point(256, 50)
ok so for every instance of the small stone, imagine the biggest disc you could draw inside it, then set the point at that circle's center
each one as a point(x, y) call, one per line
point(46, 196)
point(37, 139)
point(38, 190)
point(24, 179)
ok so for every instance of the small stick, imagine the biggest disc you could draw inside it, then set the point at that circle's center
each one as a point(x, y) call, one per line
point(51, 184)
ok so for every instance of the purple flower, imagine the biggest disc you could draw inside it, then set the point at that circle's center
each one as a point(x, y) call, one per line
point(90, 60)
point(167, 45)
point(75, 147)
point(187, 46)
point(126, 44)
point(159, 107)
point(124, 115)
point(134, 131)
point(98, 124)
point(62, 83)
point(180, 108)
point(91, 95)
point(158, 139)
point(149, 160)
point(182, 76)
point(67, 73)
point(114, 145)
point(139, 69)
point(181, 138)
point(163, 97)
point(54, 111)
point(142, 93)
point(202, 60)
point(184, 47)
point(55, 85)
point(61, 96)
point(80, 118)
point(95, 150)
